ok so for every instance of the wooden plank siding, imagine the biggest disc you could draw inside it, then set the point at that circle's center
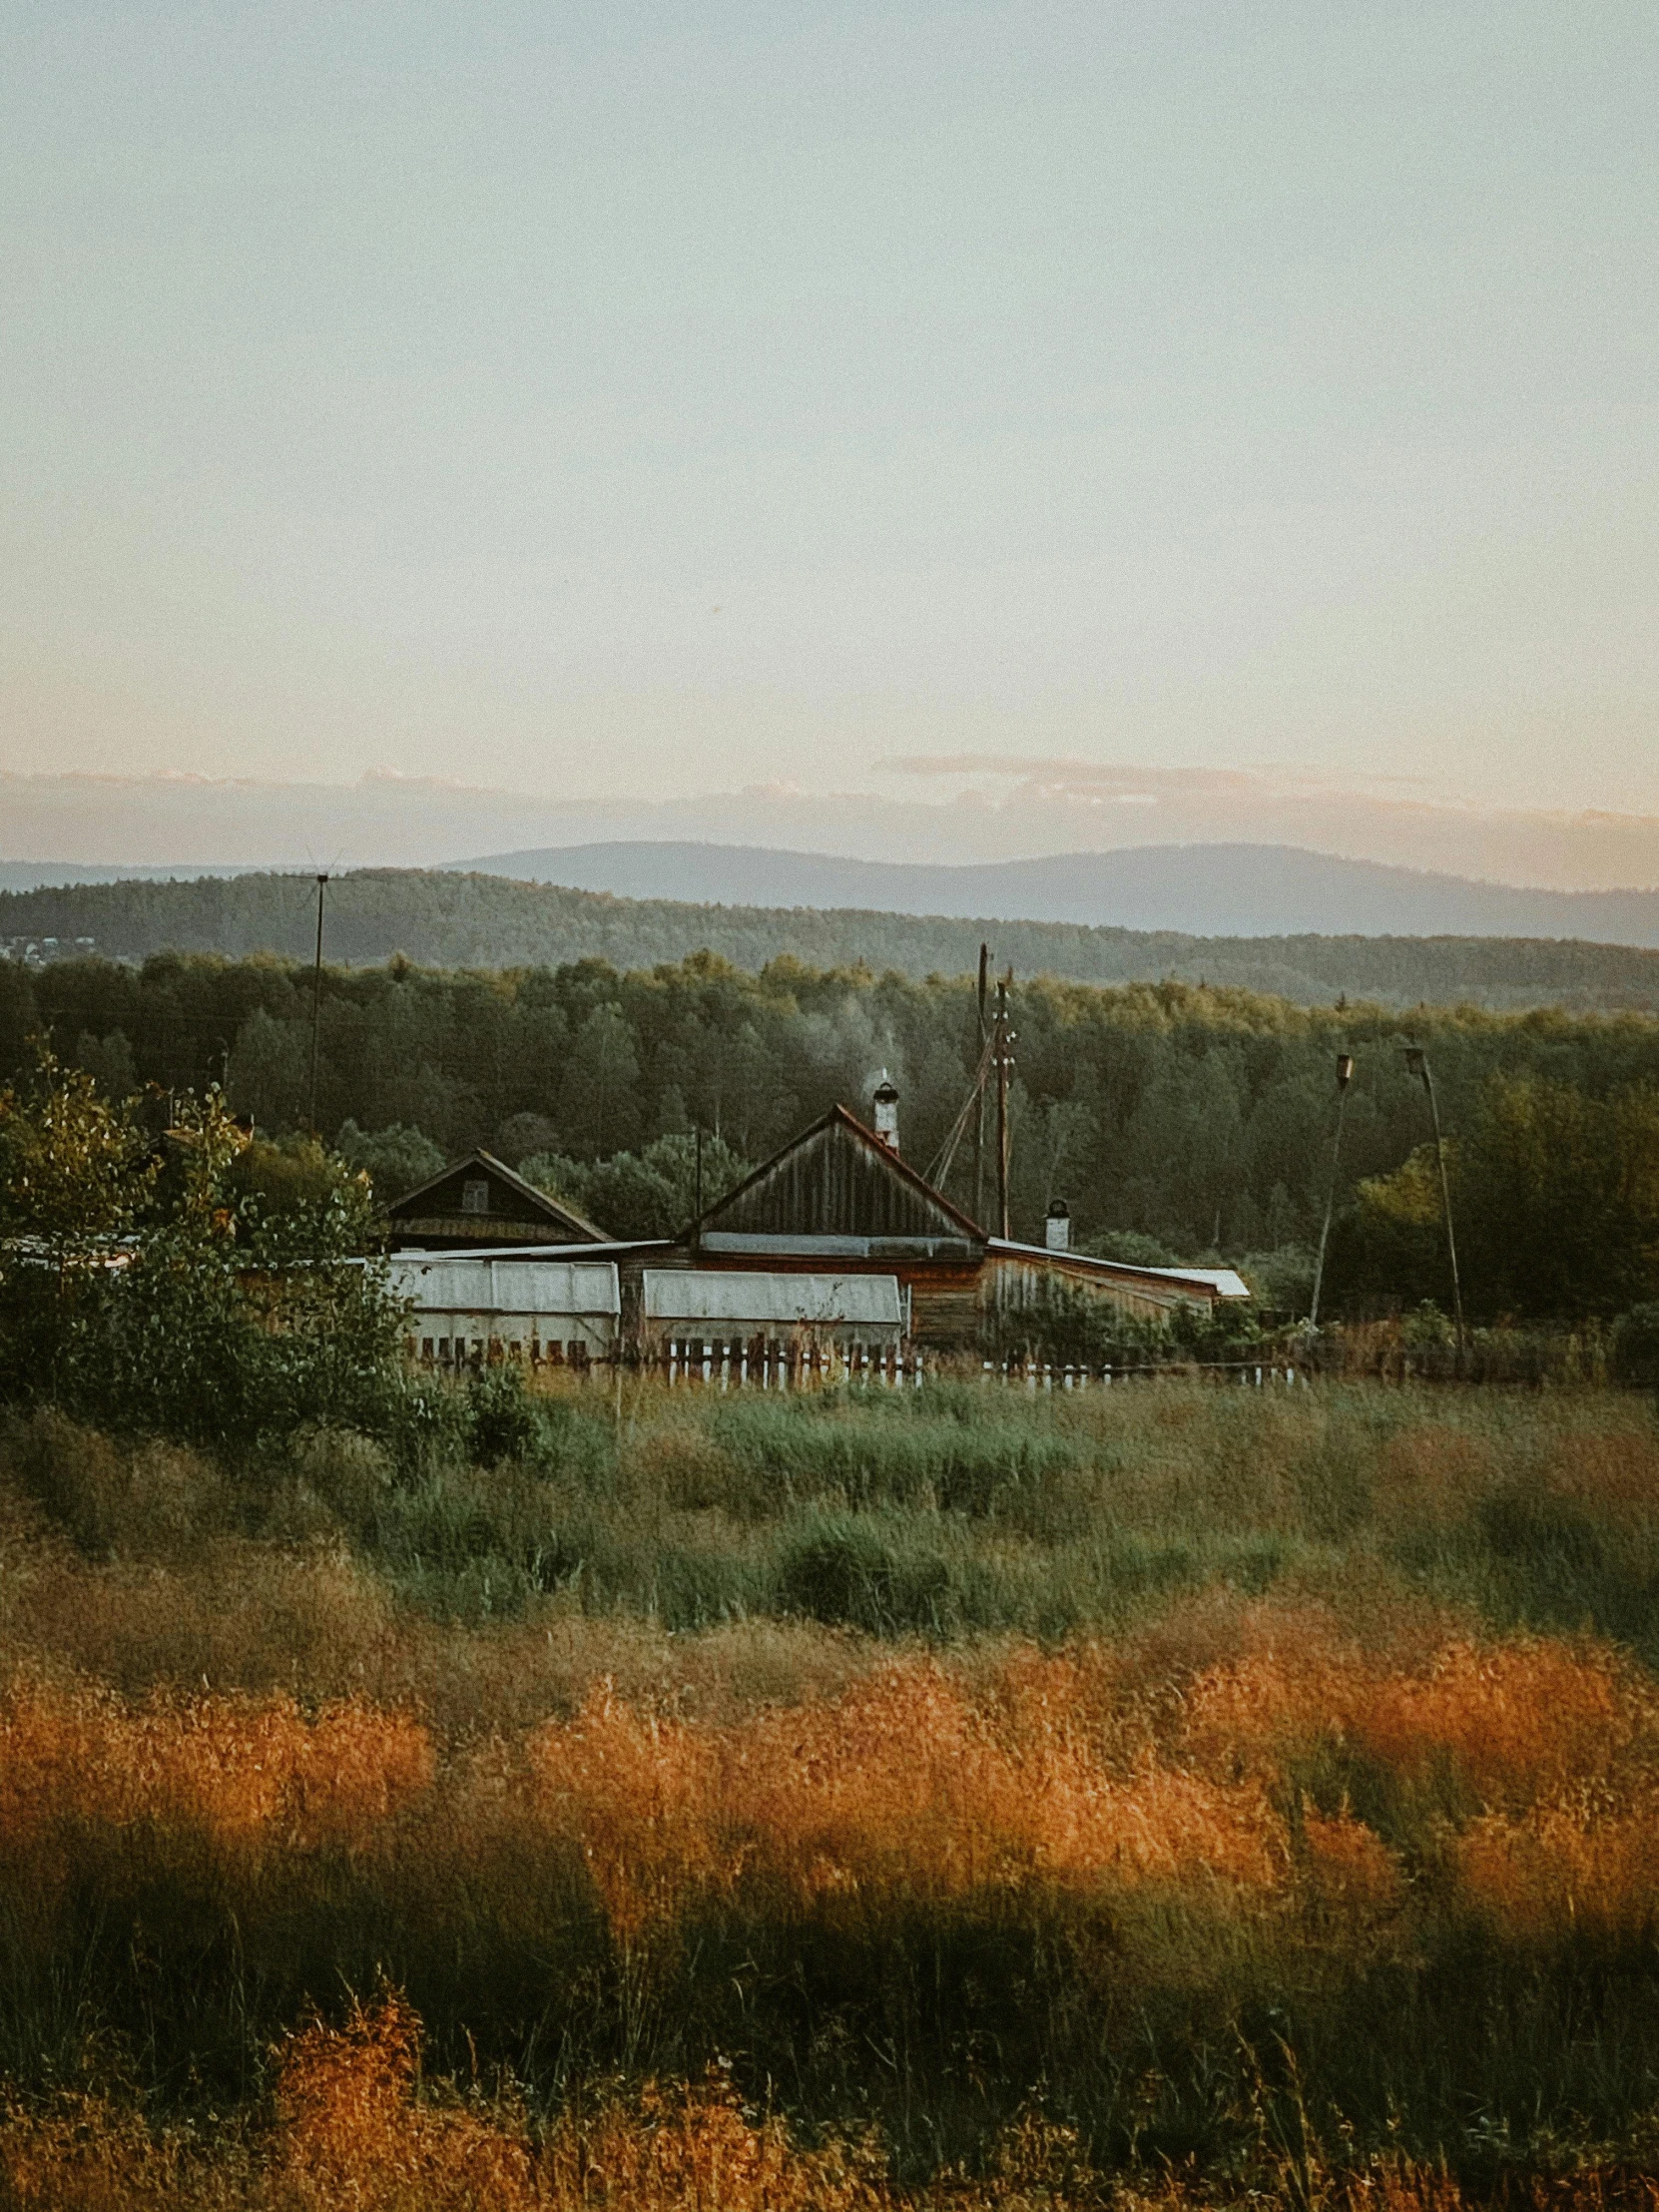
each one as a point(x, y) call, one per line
point(1015, 1283)
point(837, 1201)
point(839, 1179)
point(437, 1216)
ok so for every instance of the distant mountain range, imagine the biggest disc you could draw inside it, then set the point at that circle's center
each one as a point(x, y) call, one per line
point(1206, 891)
point(450, 918)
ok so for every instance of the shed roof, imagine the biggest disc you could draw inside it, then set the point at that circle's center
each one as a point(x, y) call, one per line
point(460, 1283)
point(1219, 1282)
point(837, 1178)
point(741, 1295)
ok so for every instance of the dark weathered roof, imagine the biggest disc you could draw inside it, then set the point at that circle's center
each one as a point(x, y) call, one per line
point(436, 1204)
point(837, 1178)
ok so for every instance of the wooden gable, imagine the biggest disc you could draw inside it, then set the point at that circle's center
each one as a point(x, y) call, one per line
point(837, 1178)
point(480, 1201)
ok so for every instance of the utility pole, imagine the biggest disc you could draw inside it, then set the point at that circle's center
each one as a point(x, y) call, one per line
point(1416, 1063)
point(979, 1127)
point(317, 1003)
point(1344, 1076)
point(1004, 1061)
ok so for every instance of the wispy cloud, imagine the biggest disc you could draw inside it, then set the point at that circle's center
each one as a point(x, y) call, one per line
point(1406, 819)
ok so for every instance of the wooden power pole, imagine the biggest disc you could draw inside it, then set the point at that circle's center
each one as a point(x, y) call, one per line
point(979, 1127)
point(317, 1004)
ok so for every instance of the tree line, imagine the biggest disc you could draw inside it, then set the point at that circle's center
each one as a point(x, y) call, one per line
point(1176, 1120)
point(447, 918)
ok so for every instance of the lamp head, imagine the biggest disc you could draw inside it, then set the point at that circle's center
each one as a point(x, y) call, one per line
point(1344, 1070)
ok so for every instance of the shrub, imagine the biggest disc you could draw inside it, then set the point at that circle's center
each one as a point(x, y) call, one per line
point(847, 1573)
point(503, 1422)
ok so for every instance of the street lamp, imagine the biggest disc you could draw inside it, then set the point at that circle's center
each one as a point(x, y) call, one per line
point(1344, 1076)
point(1416, 1063)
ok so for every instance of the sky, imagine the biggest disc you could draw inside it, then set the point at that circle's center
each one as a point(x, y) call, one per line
point(623, 406)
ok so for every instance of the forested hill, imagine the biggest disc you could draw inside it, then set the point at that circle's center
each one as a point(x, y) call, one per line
point(443, 919)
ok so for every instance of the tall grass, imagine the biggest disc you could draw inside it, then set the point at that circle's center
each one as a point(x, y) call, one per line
point(1227, 1771)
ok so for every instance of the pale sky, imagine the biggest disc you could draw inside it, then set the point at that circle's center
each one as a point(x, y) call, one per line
point(614, 402)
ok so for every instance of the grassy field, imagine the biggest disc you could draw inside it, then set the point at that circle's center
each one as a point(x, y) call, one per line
point(1170, 1794)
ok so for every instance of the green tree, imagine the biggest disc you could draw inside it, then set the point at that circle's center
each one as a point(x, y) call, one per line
point(1557, 1199)
point(599, 1083)
point(155, 1284)
point(395, 1159)
point(652, 1193)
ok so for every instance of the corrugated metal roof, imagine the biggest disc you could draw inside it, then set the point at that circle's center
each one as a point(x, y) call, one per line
point(1224, 1282)
point(534, 1254)
point(458, 1283)
point(803, 1245)
point(788, 1301)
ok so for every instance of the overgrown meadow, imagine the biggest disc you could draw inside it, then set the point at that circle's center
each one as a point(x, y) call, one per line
point(1177, 1792)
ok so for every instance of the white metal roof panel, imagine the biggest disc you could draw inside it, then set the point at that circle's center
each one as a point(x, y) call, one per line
point(460, 1283)
point(1224, 1282)
point(789, 1301)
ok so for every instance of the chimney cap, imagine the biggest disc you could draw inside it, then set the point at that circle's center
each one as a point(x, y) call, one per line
point(1058, 1210)
point(886, 1090)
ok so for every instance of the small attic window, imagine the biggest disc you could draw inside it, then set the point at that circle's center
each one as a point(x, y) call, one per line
point(475, 1195)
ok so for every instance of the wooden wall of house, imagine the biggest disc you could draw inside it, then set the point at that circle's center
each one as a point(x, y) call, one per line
point(953, 1302)
point(836, 1182)
point(1015, 1284)
point(945, 1297)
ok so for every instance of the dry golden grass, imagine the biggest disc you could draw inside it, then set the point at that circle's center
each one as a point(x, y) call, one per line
point(233, 1765)
point(1531, 1768)
point(353, 2129)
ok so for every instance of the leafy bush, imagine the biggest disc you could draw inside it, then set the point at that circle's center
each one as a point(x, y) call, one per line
point(843, 1572)
point(501, 1420)
point(152, 1284)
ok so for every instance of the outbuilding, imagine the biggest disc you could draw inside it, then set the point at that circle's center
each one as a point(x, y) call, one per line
point(467, 1311)
point(765, 1313)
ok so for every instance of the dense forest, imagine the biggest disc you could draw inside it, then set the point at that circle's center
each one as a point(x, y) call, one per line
point(445, 919)
point(1176, 1120)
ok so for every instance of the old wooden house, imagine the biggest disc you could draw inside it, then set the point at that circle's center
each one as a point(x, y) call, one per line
point(837, 1204)
point(478, 1203)
point(842, 1199)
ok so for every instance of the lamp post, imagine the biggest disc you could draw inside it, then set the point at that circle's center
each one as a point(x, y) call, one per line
point(1416, 1063)
point(1344, 1076)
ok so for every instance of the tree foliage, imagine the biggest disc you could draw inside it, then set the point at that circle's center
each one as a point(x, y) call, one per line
point(182, 1277)
point(1195, 1117)
point(447, 918)
point(1554, 1199)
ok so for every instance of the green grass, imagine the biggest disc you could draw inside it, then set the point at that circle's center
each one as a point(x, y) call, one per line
point(977, 1509)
